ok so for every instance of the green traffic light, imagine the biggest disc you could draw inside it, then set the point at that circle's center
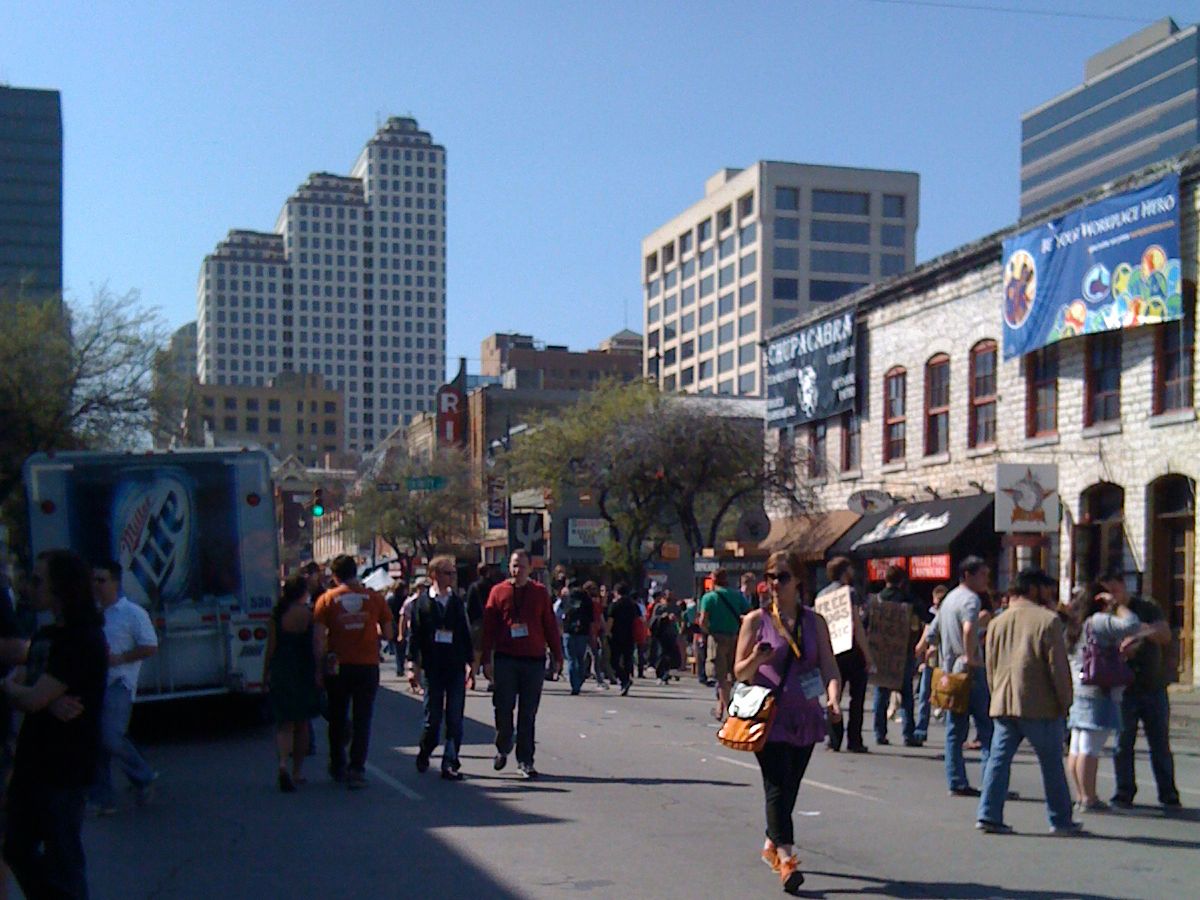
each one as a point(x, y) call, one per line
point(318, 510)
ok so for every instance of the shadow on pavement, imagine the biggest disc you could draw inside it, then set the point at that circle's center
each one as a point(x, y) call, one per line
point(963, 890)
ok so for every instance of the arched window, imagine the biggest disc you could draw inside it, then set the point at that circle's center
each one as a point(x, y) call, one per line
point(894, 385)
point(981, 429)
point(937, 405)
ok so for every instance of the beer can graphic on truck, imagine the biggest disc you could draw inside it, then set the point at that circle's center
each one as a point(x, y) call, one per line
point(153, 535)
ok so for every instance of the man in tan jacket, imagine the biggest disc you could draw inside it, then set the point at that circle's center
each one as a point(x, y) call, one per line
point(1030, 680)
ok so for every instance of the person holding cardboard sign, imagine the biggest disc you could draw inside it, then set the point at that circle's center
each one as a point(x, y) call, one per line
point(854, 664)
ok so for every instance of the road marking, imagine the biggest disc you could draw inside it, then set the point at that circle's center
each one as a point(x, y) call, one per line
point(391, 782)
point(817, 784)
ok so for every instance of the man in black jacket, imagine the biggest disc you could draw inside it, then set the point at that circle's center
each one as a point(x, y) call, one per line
point(439, 647)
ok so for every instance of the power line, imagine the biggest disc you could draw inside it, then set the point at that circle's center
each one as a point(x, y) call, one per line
point(990, 7)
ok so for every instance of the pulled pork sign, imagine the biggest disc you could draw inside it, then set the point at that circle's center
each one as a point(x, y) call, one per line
point(810, 372)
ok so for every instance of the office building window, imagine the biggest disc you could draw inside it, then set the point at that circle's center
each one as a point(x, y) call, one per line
point(786, 258)
point(851, 442)
point(787, 229)
point(937, 405)
point(787, 198)
point(1041, 392)
point(891, 264)
point(725, 304)
point(836, 232)
point(842, 262)
point(822, 291)
point(724, 220)
point(1102, 379)
point(894, 415)
point(893, 206)
point(745, 206)
point(1174, 347)
point(746, 383)
point(787, 289)
point(845, 203)
point(892, 235)
point(981, 429)
point(704, 231)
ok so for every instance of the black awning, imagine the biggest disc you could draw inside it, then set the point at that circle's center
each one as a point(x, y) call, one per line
point(913, 529)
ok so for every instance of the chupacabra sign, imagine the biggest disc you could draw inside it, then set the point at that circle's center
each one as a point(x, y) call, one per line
point(810, 372)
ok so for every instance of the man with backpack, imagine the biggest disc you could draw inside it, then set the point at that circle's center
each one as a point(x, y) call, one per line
point(577, 621)
point(721, 611)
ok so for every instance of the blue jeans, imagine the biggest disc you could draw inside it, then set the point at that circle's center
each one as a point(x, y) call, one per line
point(906, 705)
point(576, 646)
point(516, 684)
point(445, 695)
point(114, 722)
point(956, 732)
point(1154, 711)
point(924, 693)
point(1046, 736)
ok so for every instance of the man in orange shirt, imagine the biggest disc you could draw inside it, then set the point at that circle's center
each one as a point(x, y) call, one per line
point(347, 624)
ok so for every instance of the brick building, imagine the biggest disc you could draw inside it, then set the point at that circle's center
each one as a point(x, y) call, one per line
point(938, 407)
point(522, 362)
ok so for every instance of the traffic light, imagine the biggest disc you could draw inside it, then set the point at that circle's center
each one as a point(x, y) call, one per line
point(318, 506)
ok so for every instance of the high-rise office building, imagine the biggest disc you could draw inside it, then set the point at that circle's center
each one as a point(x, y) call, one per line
point(350, 285)
point(766, 244)
point(31, 167)
point(1137, 105)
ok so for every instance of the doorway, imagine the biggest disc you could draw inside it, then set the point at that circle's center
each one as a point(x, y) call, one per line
point(1170, 565)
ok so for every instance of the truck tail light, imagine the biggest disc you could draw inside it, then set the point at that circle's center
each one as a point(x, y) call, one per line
point(260, 634)
point(253, 499)
point(48, 507)
point(244, 634)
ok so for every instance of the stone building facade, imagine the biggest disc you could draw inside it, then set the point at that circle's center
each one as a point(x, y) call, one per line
point(1127, 484)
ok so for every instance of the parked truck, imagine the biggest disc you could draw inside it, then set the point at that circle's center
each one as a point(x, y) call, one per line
point(194, 531)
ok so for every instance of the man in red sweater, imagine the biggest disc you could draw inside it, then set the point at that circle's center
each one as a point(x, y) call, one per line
point(518, 625)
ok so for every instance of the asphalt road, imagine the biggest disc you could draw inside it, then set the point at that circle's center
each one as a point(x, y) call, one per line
point(636, 799)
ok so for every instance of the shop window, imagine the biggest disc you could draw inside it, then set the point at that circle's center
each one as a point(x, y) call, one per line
point(937, 405)
point(894, 383)
point(982, 426)
point(851, 442)
point(1099, 538)
point(1041, 392)
point(1102, 379)
point(1174, 348)
point(816, 450)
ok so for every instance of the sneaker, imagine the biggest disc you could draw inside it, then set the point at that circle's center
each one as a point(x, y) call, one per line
point(1121, 802)
point(499, 761)
point(993, 827)
point(858, 748)
point(527, 771)
point(1092, 806)
point(790, 875)
point(964, 792)
point(914, 742)
point(625, 688)
point(1172, 806)
point(422, 762)
point(356, 780)
point(1072, 830)
point(882, 741)
point(770, 857)
point(449, 774)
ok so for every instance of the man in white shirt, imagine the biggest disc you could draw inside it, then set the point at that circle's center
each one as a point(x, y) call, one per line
point(131, 639)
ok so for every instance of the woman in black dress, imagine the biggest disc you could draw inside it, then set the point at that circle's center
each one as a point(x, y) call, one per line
point(290, 674)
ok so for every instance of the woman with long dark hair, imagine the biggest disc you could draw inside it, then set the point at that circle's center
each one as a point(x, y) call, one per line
point(290, 674)
point(57, 752)
point(786, 647)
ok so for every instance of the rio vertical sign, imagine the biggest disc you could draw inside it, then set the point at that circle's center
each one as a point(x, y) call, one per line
point(452, 410)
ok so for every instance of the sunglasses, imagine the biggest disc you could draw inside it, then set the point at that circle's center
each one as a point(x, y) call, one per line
point(778, 577)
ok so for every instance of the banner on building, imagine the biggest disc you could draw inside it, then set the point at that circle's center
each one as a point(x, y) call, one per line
point(837, 610)
point(1112, 264)
point(811, 372)
point(497, 501)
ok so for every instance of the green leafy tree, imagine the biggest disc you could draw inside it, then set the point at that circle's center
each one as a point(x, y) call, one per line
point(420, 521)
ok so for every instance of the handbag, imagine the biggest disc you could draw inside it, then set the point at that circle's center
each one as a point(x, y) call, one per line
point(1103, 666)
point(950, 691)
point(751, 711)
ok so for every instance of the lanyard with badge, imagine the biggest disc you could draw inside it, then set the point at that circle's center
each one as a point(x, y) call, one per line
point(518, 629)
point(443, 635)
point(811, 683)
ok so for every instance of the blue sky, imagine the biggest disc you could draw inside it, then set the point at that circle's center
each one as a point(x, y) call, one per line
point(571, 129)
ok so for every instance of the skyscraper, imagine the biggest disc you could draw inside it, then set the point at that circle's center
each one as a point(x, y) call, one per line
point(1136, 106)
point(766, 244)
point(31, 166)
point(351, 285)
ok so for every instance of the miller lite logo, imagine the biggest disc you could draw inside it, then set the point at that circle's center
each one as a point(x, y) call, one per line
point(152, 534)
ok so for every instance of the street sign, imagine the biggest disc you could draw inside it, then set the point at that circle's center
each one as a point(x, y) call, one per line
point(385, 487)
point(425, 483)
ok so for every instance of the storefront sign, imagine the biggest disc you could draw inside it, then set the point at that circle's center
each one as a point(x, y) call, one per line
point(888, 637)
point(877, 568)
point(811, 372)
point(929, 568)
point(900, 524)
point(497, 501)
point(1112, 264)
point(837, 610)
point(525, 533)
point(586, 533)
point(1027, 498)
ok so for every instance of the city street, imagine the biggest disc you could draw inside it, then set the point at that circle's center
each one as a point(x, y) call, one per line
point(636, 799)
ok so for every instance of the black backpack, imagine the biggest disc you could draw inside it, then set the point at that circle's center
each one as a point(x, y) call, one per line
point(579, 613)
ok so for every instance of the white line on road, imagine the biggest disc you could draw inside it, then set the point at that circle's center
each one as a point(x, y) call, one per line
point(817, 784)
point(391, 782)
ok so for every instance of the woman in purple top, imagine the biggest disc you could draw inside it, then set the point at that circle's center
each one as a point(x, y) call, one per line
point(786, 646)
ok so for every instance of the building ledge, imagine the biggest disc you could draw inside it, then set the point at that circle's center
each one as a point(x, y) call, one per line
point(977, 452)
point(938, 459)
point(816, 481)
point(1173, 417)
point(850, 475)
point(891, 467)
point(1042, 440)
point(1102, 429)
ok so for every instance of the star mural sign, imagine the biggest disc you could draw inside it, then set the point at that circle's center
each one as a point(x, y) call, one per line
point(1027, 498)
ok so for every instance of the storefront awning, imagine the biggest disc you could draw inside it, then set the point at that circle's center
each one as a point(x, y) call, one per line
point(932, 526)
point(811, 535)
